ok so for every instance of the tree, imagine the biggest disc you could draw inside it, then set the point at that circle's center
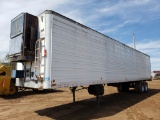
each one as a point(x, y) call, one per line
point(7, 58)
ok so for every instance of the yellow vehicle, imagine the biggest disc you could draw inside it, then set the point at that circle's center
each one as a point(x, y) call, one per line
point(7, 84)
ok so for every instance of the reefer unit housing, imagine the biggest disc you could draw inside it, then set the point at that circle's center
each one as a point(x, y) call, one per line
point(69, 54)
point(23, 37)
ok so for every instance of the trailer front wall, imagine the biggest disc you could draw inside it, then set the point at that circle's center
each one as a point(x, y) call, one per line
point(82, 56)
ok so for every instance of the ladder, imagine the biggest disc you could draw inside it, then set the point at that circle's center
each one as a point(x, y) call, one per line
point(38, 57)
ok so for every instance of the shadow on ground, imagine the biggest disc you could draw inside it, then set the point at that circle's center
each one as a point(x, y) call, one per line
point(87, 109)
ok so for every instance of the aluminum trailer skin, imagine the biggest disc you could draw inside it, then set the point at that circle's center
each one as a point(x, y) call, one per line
point(69, 54)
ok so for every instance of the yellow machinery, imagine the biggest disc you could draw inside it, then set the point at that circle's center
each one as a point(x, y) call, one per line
point(7, 84)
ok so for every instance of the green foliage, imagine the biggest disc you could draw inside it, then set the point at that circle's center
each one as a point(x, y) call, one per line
point(7, 58)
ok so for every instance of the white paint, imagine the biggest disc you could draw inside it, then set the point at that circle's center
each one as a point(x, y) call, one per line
point(19, 66)
point(81, 56)
point(47, 42)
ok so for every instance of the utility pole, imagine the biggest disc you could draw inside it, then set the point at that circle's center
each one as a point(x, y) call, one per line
point(134, 43)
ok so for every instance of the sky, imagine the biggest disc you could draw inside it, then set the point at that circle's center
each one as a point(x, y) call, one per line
point(118, 19)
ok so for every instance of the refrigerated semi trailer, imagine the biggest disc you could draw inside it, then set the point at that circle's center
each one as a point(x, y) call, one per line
point(53, 51)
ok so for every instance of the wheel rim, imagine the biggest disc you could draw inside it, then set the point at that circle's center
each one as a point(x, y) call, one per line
point(142, 88)
point(146, 87)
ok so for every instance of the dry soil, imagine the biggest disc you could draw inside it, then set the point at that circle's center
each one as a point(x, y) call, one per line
point(57, 104)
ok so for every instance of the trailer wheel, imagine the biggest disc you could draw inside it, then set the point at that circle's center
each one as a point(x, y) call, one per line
point(125, 87)
point(136, 87)
point(141, 87)
point(145, 87)
point(119, 88)
point(13, 90)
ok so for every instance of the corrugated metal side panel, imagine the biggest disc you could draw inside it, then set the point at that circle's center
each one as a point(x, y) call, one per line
point(81, 56)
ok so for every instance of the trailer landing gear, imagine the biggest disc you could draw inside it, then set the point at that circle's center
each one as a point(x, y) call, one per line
point(73, 89)
point(96, 90)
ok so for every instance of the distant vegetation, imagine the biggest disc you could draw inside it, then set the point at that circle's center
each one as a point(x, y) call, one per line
point(5, 61)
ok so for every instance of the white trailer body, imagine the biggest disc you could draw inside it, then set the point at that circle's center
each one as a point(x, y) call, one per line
point(71, 54)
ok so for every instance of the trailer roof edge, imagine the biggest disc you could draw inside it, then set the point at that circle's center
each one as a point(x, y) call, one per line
point(58, 14)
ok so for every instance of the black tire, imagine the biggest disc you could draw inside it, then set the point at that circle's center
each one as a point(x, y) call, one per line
point(136, 88)
point(13, 90)
point(145, 87)
point(141, 87)
point(125, 87)
point(119, 88)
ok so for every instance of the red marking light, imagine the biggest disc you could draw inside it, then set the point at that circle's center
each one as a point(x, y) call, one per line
point(45, 53)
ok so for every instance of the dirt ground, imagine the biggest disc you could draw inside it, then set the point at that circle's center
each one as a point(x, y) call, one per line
point(29, 105)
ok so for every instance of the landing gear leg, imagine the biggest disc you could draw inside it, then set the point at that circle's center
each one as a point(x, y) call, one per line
point(73, 89)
